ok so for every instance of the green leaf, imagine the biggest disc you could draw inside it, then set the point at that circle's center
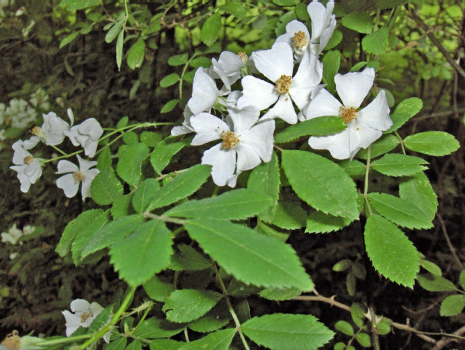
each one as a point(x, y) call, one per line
point(361, 22)
point(285, 2)
point(189, 259)
point(144, 194)
point(136, 54)
point(398, 165)
point(130, 163)
point(433, 143)
point(162, 154)
point(289, 216)
point(178, 60)
point(118, 344)
point(122, 206)
point(86, 221)
point(200, 62)
point(331, 63)
point(417, 190)
point(154, 328)
point(431, 267)
point(186, 305)
point(404, 111)
point(78, 4)
point(119, 49)
point(236, 9)
point(104, 159)
point(321, 183)
point(462, 279)
point(165, 344)
point(287, 332)
point(66, 40)
point(390, 251)
point(213, 320)
point(335, 39)
point(115, 30)
point(157, 289)
point(135, 345)
point(344, 327)
point(383, 145)
point(180, 187)
point(130, 138)
point(363, 339)
point(301, 12)
point(376, 43)
point(342, 265)
point(265, 179)
point(317, 127)
point(233, 205)
point(357, 313)
point(399, 211)
point(269, 231)
point(353, 167)
point(279, 294)
point(169, 106)
point(112, 233)
point(220, 340)
point(142, 254)
point(170, 80)
point(102, 319)
point(319, 222)
point(106, 187)
point(452, 305)
point(150, 138)
point(434, 283)
point(211, 29)
point(249, 256)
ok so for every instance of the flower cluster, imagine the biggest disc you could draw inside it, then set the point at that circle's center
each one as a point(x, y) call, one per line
point(53, 132)
point(14, 234)
point(283, 82)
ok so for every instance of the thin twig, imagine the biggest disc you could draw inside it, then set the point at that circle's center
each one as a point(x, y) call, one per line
point(449, 243)
point(446, 340)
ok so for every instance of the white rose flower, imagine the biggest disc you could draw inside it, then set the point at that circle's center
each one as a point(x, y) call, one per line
point(28, 168)
point(363, 126)
point(186, 126)
point(297, 37)
point(12, 236)
point(74, 176)
point(86, 135)
point(323, 24)
point(52, 130)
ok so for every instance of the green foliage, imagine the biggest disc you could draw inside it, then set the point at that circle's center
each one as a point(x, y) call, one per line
point(78, 4)
point(434, 283)
point(317, 127)
point(376, 43)
point(106, 187)
point(359, 21)
point(130, 162)
point(211, 29)
point(219, 340)
point(433, 143)
point(398, 165)
point(452, 305)
point(404, 111)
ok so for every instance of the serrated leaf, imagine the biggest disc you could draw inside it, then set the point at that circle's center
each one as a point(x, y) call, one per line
point(404, 111)
point(112, 233)
point(289, 216)
point(151, 139)
point(376, 43)
point(236, 9)
point(314, 127)
point(130, 163)
point(157, 289)
point(418, 191)
point(136, 54)
point(187, 305)
point(169, 80)
point(357, 314)
point(66, 40)
point(344, 327)
point(211, 29)
point(287, 332)
point(213, 320)
point(118, 344)
point(265, 179)
point(220, 340)
point(361, 22)
point(392, 164)
point(433, 143)
point(363, 339)
point(279, 294)
point(272, 232)
point(431, 267)
point(144, 194)
point(162, 154)
point(335, 39)
point(331, 63)
point(353, 167)
point(178, 60)
point(169, 106)
point(434, 283)
point(233, 205)
point(249, 256)
point(189, 259)
point(390, 251)
point(154, 328)
point(106, 187)
point(122, 206)
point(135, 345)
point(81, 223)
point(383, 145)
point(102, 319)
point(78, 4)
point(452, 305)
point(142, 254)
point(165, 344)
point(104, 159)
point(200, 62)
point(321, 183)
point(180, 187)
point(399, 211)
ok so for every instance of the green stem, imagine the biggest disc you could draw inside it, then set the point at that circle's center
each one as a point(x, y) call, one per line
point(231, 310)
point(63, 340)
point(62, 157)
point(401, 142)
point(59, 150)
point(367, 172)
point(113, 321)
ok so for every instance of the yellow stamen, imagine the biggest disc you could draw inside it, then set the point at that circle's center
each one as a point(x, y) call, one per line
point(299, 41)
point(230, 140)
point(28, 160)
point(283, 85)
point(85, 316)
point(78, 176)
point(348, 114)
point(243, 56)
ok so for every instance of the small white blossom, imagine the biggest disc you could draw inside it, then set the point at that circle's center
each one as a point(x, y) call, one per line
point(74, 176)
point(297, 37)
point(364, 126)
point(12, 236)
point(186, 126)
point(244, 143)
point(20, 114)
point(84, 314)
point(323, 24)
point(28, 168)
point(230, 67)
point(52, 130)
point(86, 135)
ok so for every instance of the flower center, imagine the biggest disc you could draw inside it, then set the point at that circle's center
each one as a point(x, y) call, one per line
point(37, 131)
point(300, 41)
point(78, 176)
point(230, 140)
point(28, 160)
point(348, 114)
point(243, 56)
point(283, 85)
point(85, 316)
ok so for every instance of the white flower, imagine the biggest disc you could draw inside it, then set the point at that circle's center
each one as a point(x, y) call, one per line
point(363, 126)
point(186, 126)
point(205, 93)
point(297, 37)
point(86, 135)
point(39, 99)
point(244, 143)
point(20, 114)
point(74, 175)
point(230, 67)
point(84, 314)
point(52, 130)
point(277, 65)
point(12, 236)
point(323, 24)
point(28, 168)
point(28, 229)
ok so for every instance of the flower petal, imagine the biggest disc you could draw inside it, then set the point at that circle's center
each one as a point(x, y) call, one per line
point(223, 163)
point(69, 185)
point(376, 114)
point(353, 87)
point(338, 144)
point(283, 109)
point(308, 76)
point(243, 119)
point(274, 62)
point(247, 158)
point(65, 166)
point(80, 305)
point(204, 92)
point(257, 93)
point(260, 139)
point(85, 165)
point(323, 104)
point(208, 128)
point(89, 176)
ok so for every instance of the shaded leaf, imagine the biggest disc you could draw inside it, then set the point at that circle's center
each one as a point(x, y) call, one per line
point(314, 127)
point(130, 163)
point(211, 29)
point(106, 187)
